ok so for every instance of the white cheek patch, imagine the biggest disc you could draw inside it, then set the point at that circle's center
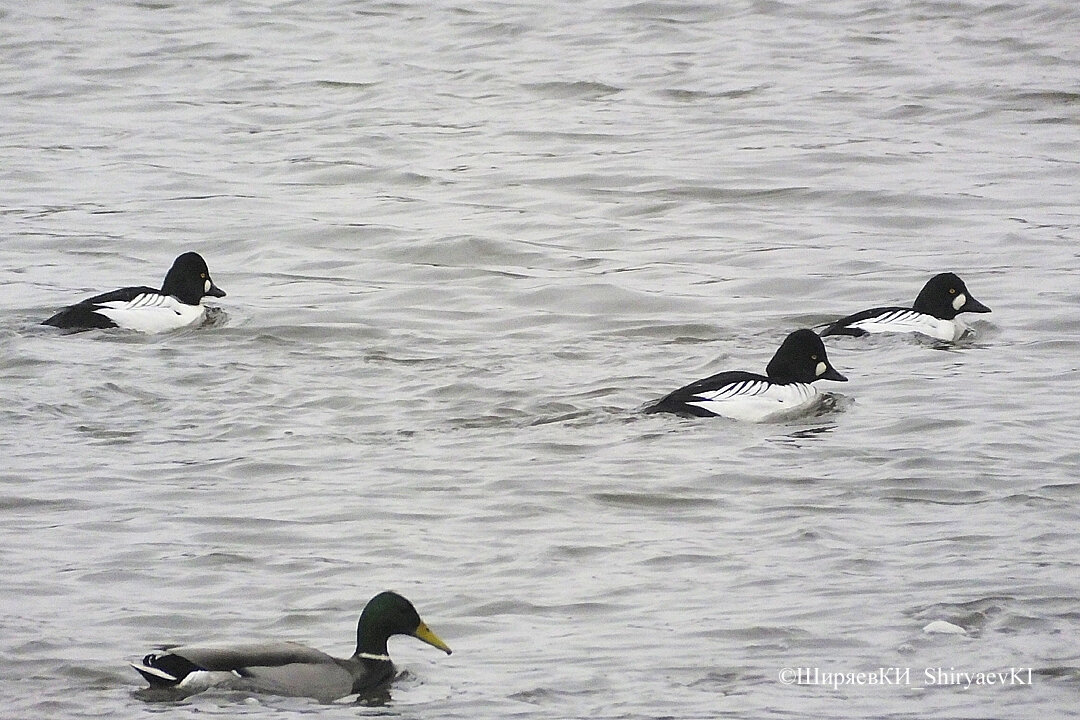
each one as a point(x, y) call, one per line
point(206, 287)
point(959, 301)
point(820, 369)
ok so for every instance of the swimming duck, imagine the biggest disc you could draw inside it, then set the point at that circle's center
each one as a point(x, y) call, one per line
point(178, 303)
point(934, 313)
point(785, 390)
point(292, 669)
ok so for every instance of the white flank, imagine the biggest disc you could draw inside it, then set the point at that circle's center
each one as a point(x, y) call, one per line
point(911, 321)
point(758, 401)
point(204, 679)
point(152, 313)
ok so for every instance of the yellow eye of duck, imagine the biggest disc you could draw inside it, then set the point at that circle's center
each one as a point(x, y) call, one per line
point(952, 291)
point(813, 357)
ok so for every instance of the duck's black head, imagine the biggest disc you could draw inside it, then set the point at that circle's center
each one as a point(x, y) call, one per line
point(945, 296)
point(389, 614)
point(188, 280)
point(802, 358)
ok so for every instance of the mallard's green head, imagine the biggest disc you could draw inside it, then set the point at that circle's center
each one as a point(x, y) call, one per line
point(389, 614)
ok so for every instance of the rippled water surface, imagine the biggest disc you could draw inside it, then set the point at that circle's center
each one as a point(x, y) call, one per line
point(463, 245)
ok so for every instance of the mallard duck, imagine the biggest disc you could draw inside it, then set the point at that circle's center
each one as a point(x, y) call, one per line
point(289, 668)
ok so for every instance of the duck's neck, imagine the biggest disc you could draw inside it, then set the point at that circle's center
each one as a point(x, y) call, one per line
point(371, 644)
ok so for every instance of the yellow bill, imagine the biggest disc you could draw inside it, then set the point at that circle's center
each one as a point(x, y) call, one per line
point(424, 633)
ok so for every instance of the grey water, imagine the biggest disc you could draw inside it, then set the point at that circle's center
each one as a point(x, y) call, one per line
point(463, 245)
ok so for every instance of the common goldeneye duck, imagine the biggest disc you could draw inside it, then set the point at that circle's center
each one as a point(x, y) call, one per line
point(784, 391)
point(177, 304)
point(292, 669)
point(934, 313)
